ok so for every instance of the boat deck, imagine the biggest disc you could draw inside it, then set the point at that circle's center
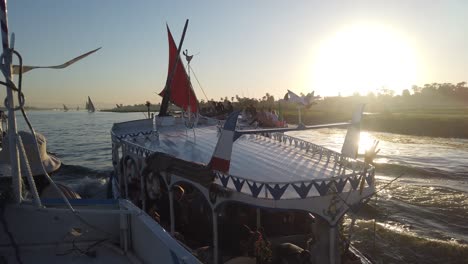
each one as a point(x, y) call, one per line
point(273, 159)
point(102, 253)
point(253, 157)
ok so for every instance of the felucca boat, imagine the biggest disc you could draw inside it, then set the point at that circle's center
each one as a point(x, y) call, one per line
point(63, 230)
point(90, 106)
point(207, 182)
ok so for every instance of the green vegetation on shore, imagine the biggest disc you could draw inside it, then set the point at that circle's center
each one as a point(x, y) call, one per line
point(436, 110)
point(409, 123)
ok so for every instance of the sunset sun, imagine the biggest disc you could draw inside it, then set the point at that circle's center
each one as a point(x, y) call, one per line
point(363, 59)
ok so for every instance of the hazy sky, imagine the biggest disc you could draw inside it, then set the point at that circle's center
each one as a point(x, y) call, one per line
point(247, 48)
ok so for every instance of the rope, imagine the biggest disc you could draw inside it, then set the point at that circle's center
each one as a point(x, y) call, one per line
point(359, 206)
point(196, 78)
point(86, 252)
point(10, 85)
point(29, 174)
point(21, 99)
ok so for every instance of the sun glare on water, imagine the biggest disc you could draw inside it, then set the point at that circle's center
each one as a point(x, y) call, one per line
point(365, 142)
point(363, 59)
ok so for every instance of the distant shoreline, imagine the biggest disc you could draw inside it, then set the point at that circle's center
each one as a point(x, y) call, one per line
point(434, 124)
point(430, 125)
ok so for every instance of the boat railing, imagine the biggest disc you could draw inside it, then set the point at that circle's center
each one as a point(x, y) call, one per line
point(297, 189)
point(308, 147)
point(337, 181)
point(315, 149)
point(131, 135)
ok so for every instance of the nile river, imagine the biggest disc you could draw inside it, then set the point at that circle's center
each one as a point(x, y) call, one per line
point(420, 218)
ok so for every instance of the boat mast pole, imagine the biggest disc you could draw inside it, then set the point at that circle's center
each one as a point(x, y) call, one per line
point(12, 130)
point(167, 89)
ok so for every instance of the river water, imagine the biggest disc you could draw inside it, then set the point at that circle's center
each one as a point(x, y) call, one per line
point(420, 218)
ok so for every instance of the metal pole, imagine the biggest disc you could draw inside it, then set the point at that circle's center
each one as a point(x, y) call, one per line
point(215, 237)
point(258, 218)
point(332, 245)
point(12, 130)
point(171, 205)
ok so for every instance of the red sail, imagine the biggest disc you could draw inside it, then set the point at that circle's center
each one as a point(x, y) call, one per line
point(182, 93)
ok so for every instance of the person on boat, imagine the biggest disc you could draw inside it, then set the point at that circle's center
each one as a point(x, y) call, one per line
point(271, 117)
point(259, 117)
point(213, 108)
point(253, 111)
point(219, 108)
point(229, 108)
point(265, 118)
point(274, 117)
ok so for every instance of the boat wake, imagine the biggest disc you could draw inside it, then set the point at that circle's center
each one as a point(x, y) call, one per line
point(386, 242)
point(419, 172)
point(415, 222)
point(88, 183)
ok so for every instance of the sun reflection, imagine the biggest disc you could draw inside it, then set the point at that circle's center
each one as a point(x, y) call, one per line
point(365, 142)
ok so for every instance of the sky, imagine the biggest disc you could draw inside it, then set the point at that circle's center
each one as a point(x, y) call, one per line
point(245, 48)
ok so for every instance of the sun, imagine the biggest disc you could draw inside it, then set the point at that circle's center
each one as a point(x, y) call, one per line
point(363, 59)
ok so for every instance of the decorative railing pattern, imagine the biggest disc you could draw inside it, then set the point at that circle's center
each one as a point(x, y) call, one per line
point(299, 189)
point(132, 135)
point(315, 149)
point(133, 148)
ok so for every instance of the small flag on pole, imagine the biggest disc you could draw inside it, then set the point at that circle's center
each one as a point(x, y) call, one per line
point(221, 159)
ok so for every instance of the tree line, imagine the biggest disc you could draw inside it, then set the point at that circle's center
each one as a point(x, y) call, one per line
point(431, 95)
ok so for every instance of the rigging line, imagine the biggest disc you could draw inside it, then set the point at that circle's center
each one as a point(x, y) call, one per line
point(358, 206)
point(21, 100)
point(196, 78)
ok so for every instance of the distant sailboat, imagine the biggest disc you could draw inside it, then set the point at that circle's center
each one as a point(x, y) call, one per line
point(90, 106)
point(65, 108)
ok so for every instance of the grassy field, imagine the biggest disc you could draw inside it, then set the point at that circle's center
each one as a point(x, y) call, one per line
point(440, 122)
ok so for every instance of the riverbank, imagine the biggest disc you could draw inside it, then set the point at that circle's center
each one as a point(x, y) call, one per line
point(454, 125)
point(431, 123)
